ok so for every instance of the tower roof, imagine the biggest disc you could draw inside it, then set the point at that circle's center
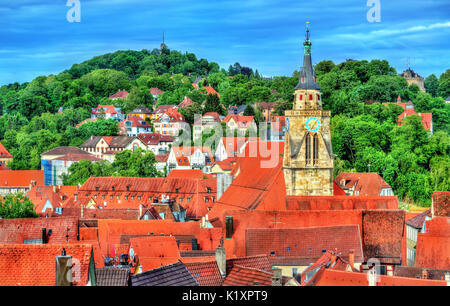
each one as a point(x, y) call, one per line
point(307, 78)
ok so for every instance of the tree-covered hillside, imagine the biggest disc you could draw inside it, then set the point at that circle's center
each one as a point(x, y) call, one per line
point(364, 131)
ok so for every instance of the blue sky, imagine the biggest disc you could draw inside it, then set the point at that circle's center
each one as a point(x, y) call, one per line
point(36, 39)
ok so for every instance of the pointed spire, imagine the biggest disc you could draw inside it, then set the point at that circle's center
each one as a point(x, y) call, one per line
point(307, 75)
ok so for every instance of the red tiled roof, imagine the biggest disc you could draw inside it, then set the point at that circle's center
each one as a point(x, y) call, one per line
point(329, 277)
point(206, 273)
point(210, 91)
point(163, 108)
point(419, 220)
point(227, 164)
point(4, 153)
point(86, 120)
point(186, 102)
point(303, 244)
point(135, 122)
point(16, 230)
point(241, 121)
point(174, 116)
point(77, 157)
point(34, 265)
point(186, 173)
point(156, 91)
point(368, 184)
point(110, 231)
point(21, 178)
point(155, 251)
point(433, 247)
point(122, 94)
point(441, 204)
point(242, 276)
point(154, 138)
point(259, 262)
point(162, 158)
point(109, 109)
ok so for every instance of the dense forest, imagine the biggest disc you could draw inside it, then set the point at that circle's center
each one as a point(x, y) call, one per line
point(364, 131)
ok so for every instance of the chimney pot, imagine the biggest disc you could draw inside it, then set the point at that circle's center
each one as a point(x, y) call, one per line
point(351, 258)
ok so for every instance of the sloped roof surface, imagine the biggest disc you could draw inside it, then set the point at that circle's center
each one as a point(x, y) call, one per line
point(244, 276)
point(112, 277)
point(171, 275)
point(206, 273)
point(35, 264)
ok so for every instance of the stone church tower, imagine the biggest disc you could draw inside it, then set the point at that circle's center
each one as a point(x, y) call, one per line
point(308, 156)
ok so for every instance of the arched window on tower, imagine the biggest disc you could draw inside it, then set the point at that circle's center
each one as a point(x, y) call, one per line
point(308, 149)
point(315, 149)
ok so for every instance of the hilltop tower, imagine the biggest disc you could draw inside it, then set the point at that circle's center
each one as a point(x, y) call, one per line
point(308, 156)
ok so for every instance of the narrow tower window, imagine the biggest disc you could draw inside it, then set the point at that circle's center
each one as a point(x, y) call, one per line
point(315, 149)
point(308, 149)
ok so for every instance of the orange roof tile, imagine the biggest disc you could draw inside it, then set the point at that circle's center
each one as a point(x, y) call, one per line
point(206, 273)
point(242, 276)
point(4, 153)
point(34, 264)
point(21, 178)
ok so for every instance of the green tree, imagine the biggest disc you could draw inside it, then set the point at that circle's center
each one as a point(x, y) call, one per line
point(16, 206)
point(432, 85)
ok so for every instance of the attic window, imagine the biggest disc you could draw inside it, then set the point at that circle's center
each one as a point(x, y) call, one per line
point(208, 189)
point(272, 253)
point(177, 190)
point(113, 188)
point(126, 197)
point(288, 249)
point(189, 199)
point(139, 198)
point(128, 188)
point(97, 188)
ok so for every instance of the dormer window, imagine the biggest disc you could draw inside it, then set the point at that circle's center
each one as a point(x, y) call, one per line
point(128, 188)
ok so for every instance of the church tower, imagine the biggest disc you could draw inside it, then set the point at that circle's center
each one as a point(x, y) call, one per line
point(308, 156)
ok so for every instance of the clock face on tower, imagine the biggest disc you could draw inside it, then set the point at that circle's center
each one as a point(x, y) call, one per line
point(312, 124)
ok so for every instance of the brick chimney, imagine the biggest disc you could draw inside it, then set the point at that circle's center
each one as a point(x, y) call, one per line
point(221, 260)
point(351, 258)
point(64, 269)
point(277, 277)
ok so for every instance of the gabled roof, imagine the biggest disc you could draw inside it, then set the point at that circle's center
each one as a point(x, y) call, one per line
point(156, 91)
point(210, 91)
point(368, 184)
point(298, 246)
point(259, 262)
point(4, 153)
point(112, 277)
point(21, 178)
point(171, 275)
point(108, 109)
point(122, 94)
point(154, 138)
point(173, 114)
point(135, 121)
point(241, 121)
point(185, 102)
point(87, 120)
point(65, 151)
point(243, 276)
point(163, 108)
point(34, 264)
point(419, 220)
point(206, 273)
